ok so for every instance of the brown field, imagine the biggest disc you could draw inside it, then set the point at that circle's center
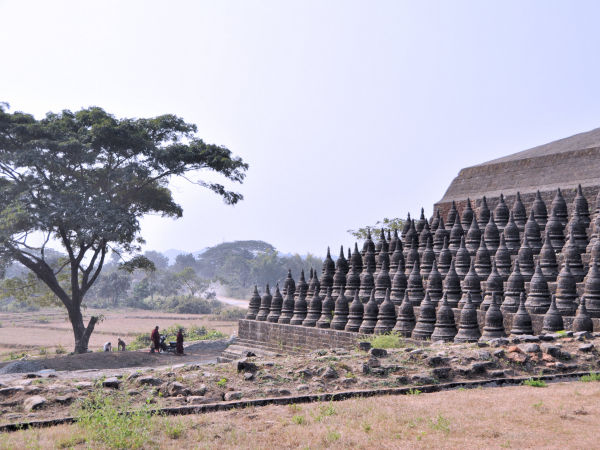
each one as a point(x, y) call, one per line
point(48, 329)
point(562, 415)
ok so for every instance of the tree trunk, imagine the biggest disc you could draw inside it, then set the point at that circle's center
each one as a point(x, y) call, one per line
point(80, 331)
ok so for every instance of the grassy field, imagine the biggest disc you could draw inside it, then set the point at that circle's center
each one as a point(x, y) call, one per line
point(561, 415)
point(45, 331)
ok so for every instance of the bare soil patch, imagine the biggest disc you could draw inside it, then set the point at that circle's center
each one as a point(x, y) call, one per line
point(46, 330)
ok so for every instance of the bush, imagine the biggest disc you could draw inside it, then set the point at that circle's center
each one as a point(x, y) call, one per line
point(106, 419)
point(535, 383)
point(182, 304)
point(229, 314)
point(388, 340)
point(593, 376)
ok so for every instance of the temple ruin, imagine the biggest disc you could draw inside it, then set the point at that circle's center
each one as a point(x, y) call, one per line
point(512, 249)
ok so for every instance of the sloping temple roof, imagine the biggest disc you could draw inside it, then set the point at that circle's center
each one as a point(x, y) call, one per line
point(564, 163)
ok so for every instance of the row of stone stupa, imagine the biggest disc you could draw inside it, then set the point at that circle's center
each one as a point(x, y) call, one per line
point(459, 273)
point(432, 323)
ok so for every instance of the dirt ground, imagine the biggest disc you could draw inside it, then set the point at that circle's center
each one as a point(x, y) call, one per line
point(44, 331)
point(560, 416)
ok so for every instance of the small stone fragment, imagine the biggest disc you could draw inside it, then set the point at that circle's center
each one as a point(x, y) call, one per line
point(111, 382)
point(34, 403)
point(236, 395)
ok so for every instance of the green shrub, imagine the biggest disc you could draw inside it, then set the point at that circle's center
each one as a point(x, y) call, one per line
point(60, 350)
point(593, 376)
point(106, 420)
point(388, 340)
point(535, 383)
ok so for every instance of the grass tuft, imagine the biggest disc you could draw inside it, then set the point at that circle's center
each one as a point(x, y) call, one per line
point(593, 376)
point(106, 419)
point(535, 383)
point(388, 340)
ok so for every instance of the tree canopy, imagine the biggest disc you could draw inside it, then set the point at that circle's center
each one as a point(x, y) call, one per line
point(85, 179)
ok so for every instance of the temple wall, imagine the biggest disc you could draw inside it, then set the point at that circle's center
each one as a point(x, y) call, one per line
point(298, 338)
point(543, 173)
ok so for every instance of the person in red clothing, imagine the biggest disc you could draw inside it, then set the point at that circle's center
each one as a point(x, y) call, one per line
point(155, 338)
point(179, 348)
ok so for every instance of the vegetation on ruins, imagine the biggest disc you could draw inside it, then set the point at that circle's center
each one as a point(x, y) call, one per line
point(391, 225)
point(84, 179)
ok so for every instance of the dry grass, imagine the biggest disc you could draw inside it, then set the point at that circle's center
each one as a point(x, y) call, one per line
point(560, 416)
point(49, 329)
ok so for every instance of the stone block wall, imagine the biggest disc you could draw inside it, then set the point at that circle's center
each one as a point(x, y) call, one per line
point(295, 337)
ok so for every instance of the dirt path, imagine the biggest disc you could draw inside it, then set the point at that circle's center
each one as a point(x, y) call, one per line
point(233, 301)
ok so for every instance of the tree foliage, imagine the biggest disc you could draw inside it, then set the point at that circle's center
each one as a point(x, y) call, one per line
point(84, 179)
point(387, 225)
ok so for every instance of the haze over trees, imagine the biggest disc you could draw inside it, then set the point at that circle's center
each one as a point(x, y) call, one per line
point(84, 179)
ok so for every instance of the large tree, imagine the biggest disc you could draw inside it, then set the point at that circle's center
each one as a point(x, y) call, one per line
point(85, 179)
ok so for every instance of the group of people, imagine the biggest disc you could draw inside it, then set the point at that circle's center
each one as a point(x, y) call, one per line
point(120, 345)
point(156, 343)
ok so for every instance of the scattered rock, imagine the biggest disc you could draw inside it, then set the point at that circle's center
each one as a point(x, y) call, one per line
point(586, 348)
point(436, 360)
point(529, 338)
point(483, 355)
point(248, 376)
point(149, 380)
point(422, 378)
point(199, 390)
point(378, 352)
point(268, 363)
point(111, 382)
point(302, 387)
point(499, 353)
point(132, 392)
point(500, 373)
point(34, 403)
point(11, 390)
point(64, 399)
point(582, 335)
point(195, 399)
point(33, 390)
point(236, 395)
point(546, 337)
point(284, 392)
point(364, 346)
point(133, 376)
point(552, 350)
point(481, 367)
point(84, 385)
point(330, 373)
point(305, 373)
point(442, 373)
point(32, 375)
point(530, 348)
point(175, 388)
point(243, 365)
point(498, 342)
point(249, 354)
point(348, 381)
point(519, 358)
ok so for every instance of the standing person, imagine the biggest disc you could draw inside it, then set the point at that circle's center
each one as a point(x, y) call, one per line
point(155, 338)
point(179, 348)
point(120, 344)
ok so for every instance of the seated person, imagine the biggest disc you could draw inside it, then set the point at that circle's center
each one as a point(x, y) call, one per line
point(108, 347)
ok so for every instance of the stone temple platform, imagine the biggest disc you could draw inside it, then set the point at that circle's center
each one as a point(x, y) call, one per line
point(564, 163)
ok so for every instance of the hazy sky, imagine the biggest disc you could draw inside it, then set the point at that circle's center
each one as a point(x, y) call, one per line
point(346, 111)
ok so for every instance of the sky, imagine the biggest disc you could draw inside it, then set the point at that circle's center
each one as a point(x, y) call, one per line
point(346, 111)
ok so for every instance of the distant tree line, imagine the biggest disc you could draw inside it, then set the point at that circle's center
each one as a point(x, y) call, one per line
point(188, 285)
